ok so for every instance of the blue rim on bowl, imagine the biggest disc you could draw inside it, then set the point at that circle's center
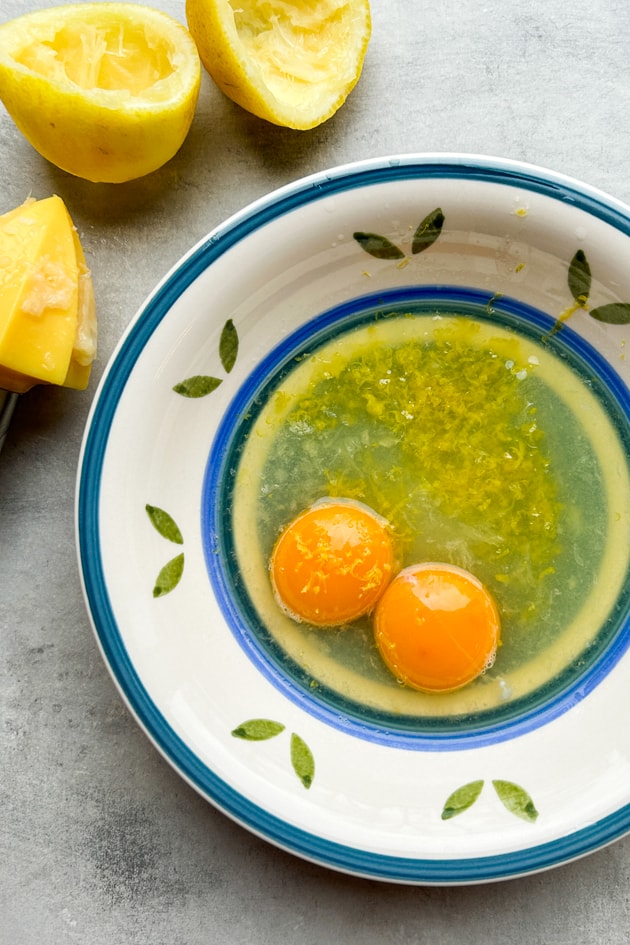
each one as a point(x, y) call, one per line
point(106, 615)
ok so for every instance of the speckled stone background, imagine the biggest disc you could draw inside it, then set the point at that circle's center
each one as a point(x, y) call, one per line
point(101, 843)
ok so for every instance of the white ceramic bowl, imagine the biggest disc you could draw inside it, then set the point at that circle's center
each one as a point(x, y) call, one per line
point(536, 778)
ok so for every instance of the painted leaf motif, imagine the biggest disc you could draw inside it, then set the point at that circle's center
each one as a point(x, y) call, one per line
point(461, 799)
point(516, 799)
point(200, 385)
point(580, 278)
point(615, 313)
point(302, 760)
point(169, 577)
point(428, 231)
point(258, 730)
point(164, 524)
point(378, 246)
point(228, 346)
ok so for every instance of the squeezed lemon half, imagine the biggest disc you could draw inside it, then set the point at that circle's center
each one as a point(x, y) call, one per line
point(105, 91)
point(47, 312)
point(291, 62)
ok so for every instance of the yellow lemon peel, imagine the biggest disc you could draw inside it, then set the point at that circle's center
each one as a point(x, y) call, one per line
point(105, 91)
point(47, 311)
point(289, 62)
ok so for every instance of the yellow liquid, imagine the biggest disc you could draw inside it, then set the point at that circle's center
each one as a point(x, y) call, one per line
point(482, 449)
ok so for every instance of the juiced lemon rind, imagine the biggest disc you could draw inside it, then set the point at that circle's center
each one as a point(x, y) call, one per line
point(97, 115)
point(47, 311)
point(291, 63)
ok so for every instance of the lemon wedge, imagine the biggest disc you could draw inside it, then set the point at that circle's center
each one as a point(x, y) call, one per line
point(105, 91)
point(47, 311)
point(291, 62)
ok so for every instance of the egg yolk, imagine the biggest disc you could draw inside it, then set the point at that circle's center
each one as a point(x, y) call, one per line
point(332, 563)
point(436, 627)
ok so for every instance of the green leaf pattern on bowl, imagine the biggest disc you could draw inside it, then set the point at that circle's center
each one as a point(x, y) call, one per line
point(166, 526)
point(461, 799)
point(200, 385)
point(579, 278)
point(228, 346)
point(580, 282)
point(169, 576)
point(257, 730)
point(261, 729)
point(514, 798)
point(380, 247)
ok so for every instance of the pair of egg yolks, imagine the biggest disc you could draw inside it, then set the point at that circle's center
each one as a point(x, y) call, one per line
point(435, 625)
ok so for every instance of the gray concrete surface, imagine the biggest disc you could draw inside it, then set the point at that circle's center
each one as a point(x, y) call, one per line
point(101, 843)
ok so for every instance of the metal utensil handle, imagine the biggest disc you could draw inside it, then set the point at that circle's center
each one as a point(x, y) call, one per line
point(8, 400)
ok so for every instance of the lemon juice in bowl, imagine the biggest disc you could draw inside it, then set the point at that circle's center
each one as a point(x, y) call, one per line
point(486, 443)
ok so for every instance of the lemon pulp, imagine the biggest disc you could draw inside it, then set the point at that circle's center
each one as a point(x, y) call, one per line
point(116, 56)
point(289, 62)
